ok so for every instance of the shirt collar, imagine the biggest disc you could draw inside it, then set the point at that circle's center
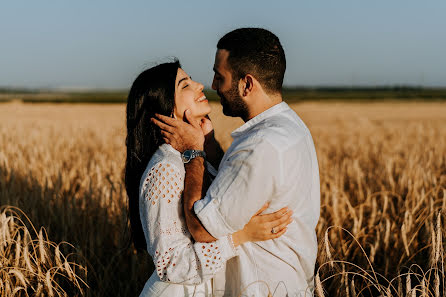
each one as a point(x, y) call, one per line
point(282, 106)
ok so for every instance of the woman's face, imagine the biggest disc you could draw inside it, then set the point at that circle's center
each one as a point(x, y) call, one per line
point(189, 95)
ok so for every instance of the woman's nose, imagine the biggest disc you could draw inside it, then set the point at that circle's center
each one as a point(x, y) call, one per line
point(200, 87)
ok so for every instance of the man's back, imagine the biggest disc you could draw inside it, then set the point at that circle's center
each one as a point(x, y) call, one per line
point(271, 159)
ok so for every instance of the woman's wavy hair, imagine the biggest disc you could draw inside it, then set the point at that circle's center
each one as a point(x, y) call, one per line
point(153, 91)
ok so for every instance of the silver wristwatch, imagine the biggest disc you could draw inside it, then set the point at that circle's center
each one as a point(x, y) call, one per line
point(188, 155)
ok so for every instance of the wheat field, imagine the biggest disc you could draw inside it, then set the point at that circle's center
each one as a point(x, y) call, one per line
point(383, 195)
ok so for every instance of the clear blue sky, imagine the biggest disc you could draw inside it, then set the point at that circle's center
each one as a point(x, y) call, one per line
point(105, 44)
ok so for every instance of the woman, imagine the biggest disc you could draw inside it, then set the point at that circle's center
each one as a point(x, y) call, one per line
point(154, 178)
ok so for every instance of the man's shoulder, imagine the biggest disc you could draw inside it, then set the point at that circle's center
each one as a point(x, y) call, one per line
point(281, 130)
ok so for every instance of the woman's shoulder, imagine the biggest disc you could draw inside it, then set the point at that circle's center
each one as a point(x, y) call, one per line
point(165, 156)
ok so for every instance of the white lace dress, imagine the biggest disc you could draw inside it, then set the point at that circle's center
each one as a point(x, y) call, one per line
point(182, 267)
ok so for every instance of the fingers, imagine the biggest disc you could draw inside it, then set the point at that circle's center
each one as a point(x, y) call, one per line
point(188, 118)
point(267, 235)
point(283, 225)
point(278, 234)
point(168, 120)
point(162, 125)
point(264, 207)
point(285, 218)
point(275, 215)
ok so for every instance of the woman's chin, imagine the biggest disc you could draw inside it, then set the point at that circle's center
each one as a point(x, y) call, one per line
point(204, 113)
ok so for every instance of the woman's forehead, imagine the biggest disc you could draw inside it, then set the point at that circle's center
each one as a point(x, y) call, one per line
point(181, 74)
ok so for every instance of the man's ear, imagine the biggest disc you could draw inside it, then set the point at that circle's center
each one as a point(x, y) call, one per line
point(248, 85)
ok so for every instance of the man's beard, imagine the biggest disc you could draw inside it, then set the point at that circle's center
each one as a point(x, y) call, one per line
point(232, 102)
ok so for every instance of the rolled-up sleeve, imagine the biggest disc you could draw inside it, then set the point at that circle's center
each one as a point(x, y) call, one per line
point(245, 181)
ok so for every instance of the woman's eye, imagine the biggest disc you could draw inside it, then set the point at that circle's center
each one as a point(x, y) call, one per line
point(185, 86)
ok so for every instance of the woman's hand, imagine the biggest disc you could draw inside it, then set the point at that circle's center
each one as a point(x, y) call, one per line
point(264, 227)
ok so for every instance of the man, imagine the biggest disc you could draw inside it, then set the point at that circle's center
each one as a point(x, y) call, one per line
point(272, 159)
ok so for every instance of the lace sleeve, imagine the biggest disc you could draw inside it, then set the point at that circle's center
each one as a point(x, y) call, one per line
point(177, 259)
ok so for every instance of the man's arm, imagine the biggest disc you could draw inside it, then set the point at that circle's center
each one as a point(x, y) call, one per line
point(214, 152)
point(188, 135)
point(195, 186)
point(248, 178)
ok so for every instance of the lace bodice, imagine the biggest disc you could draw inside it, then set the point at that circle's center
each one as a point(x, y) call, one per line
point(176, 257)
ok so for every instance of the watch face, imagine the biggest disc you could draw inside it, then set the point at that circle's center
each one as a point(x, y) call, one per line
point(187, 155)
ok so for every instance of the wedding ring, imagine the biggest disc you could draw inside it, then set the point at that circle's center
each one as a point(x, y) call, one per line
point(273, 231)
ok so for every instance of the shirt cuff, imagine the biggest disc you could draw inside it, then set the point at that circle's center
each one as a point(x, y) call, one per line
point(207, 212)
point(200, 204)
point(228, 249)
point(211, 169)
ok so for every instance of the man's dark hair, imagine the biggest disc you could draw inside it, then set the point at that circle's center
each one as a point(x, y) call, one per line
point(258, 52)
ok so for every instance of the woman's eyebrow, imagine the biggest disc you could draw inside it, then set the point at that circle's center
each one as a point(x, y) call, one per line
point(184, 78)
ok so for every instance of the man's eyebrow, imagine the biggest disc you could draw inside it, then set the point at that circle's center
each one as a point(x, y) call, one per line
point(184, 78)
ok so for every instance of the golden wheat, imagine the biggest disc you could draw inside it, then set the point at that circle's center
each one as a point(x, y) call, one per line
point(31, 265)
point(383, 192)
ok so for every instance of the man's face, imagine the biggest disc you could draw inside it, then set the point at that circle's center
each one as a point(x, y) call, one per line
point(226, 87)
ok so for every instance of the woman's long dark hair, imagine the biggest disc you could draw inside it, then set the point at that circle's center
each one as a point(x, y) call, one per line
point(152, 92)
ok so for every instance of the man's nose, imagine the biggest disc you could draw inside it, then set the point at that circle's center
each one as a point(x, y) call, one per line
point(214, 84)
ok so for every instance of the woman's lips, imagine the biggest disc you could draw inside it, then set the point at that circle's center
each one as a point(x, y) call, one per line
point(201, 98)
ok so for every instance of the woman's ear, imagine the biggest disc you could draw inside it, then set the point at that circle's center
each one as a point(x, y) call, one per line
point(174, 114)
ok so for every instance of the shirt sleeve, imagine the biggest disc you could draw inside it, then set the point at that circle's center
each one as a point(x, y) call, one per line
point(246, 180)
point(177, 259)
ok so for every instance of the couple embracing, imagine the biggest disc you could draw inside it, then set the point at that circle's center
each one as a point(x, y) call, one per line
point(238, 223)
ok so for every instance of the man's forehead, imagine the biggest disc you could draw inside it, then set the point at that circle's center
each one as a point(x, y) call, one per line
point(221, 58)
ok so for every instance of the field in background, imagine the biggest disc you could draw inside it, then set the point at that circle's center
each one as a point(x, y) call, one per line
point(383, 179)
point(354, 94)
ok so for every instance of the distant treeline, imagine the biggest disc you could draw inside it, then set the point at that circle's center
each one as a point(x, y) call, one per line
point(292, 94)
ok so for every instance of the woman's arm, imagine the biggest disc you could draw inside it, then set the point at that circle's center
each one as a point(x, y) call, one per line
point(177, 259)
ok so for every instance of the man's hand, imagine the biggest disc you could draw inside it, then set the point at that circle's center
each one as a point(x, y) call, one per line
point(181, 135)
point(207, 128)
point(214, 152)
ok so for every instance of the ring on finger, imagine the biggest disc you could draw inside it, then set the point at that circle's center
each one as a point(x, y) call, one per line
point(273, 231)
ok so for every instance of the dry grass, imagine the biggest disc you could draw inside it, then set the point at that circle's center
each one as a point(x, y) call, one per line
point(383, 180)
point(31, 265)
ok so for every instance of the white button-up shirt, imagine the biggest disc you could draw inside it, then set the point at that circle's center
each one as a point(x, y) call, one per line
point(272, 158)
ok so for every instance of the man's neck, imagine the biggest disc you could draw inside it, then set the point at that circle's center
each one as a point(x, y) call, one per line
point(262, 104)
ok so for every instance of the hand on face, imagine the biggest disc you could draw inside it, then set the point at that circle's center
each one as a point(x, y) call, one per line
point(206, 126)
point(181, 135)
point(190, 123)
